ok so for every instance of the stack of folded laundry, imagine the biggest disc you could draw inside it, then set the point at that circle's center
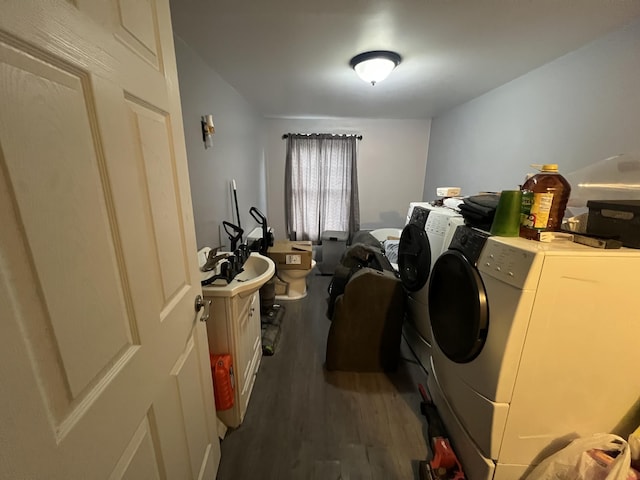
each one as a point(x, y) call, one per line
point(478, 210)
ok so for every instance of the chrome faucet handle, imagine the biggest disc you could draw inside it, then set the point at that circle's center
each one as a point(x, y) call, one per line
point(212, 260)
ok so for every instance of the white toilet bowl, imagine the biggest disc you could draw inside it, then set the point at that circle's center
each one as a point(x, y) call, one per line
point(296, 281)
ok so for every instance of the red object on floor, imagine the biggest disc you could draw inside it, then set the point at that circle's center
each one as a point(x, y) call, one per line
point(223, 380)
point(445, 463)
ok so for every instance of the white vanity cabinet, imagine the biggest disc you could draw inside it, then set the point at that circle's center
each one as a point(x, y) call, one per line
point(234, 327)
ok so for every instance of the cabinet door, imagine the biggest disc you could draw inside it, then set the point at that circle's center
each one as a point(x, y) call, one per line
point(235, 329)
point(249, 347)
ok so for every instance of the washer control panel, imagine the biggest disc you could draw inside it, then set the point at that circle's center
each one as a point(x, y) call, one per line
point(469, 241)
point(419, 216)
point(437, 223)
point(507, 263)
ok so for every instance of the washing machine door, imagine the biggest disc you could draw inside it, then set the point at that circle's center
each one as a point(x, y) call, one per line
point(458, 307)
point(414, 257)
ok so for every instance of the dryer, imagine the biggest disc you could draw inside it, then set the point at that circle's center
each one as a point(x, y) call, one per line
point(537, 350)
point(420, 246)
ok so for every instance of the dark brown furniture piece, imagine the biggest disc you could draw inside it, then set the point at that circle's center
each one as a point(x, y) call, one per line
point(366, 325)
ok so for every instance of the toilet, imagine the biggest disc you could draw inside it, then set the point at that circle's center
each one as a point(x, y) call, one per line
point(296, 281)
point(291, 282)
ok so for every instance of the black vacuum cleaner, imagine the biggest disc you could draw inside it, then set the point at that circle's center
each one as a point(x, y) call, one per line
point(234, 232)
point(262, 245)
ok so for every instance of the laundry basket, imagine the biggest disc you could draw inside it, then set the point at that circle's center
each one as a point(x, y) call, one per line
point(334, 243)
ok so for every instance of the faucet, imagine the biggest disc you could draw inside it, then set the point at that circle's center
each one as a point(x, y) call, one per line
point(213, 260)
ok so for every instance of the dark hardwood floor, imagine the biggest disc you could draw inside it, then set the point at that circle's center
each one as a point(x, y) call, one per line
point(306, 423)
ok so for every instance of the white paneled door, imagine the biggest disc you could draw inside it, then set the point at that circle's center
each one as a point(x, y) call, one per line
point(104, 367)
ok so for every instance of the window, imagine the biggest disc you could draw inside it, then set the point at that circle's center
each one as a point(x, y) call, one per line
point(321, 185)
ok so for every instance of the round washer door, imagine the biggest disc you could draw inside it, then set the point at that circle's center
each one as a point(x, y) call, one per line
point(458, 308)
point(414, 257)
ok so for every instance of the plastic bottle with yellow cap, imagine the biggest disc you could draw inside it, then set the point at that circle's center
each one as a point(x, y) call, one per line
point(544, 200)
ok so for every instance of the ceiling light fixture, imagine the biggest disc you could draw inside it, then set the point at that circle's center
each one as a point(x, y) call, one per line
point(375, 66)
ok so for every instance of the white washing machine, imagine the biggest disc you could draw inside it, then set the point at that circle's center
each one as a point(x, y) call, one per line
point(417, 254)
point(539, 348)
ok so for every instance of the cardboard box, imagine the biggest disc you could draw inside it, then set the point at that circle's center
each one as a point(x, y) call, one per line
point(289, 255)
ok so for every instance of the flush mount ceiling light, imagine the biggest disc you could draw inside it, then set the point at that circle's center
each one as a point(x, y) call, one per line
point(373, 67)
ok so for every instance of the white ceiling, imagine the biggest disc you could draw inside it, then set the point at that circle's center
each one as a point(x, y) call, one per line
point(290, 58)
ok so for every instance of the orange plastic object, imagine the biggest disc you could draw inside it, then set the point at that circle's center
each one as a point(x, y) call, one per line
point(223, 381)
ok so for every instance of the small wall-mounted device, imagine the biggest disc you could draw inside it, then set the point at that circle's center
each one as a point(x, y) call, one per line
point(208, 130)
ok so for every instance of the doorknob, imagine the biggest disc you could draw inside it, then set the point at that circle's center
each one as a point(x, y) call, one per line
point(200, 304)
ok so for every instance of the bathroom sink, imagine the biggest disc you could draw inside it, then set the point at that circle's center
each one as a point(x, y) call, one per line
point(257, 270)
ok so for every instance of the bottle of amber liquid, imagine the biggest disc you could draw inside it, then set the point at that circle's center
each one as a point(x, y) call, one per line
point(544, 200)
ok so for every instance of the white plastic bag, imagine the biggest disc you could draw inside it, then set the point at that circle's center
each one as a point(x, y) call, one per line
point(574, 463)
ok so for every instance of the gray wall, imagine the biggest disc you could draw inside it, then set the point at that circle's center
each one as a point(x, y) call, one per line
point(392, 158)
point(574, 111)
point(236, 152)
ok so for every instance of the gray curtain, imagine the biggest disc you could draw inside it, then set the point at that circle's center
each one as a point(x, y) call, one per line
point(321, 185)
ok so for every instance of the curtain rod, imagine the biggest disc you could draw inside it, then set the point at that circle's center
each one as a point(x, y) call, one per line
point(286, 135)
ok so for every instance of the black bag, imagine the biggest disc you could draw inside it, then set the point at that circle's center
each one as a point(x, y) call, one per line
point(356, 257)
